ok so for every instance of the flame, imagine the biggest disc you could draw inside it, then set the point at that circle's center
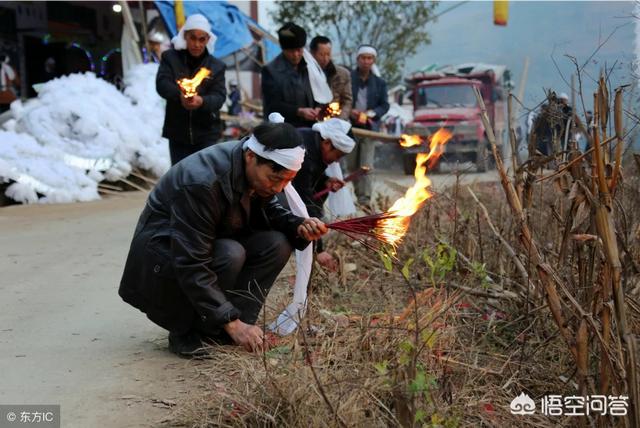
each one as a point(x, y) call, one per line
point(332, 110)
point(410, 140)
point(190, 86)
point(395, 227)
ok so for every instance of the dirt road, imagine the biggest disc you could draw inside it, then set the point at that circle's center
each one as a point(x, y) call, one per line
point(65, 335)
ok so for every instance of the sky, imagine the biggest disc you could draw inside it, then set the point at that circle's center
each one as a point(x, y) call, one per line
point(544, 31)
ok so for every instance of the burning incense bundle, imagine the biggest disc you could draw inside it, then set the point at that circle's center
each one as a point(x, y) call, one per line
point(332, 110)
point(391, 226)
point(363, 170)
point(189, 87)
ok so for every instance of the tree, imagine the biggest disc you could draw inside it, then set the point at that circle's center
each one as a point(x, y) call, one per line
point(395, 28)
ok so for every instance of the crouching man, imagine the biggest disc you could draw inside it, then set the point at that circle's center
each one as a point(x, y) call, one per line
point(326, 142)
point(213, 237)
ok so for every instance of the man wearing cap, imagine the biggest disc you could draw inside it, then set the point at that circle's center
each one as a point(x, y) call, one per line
point(285, 80)
point(338, 77)
point(213, 237)
point(191, 124)
point(326, 142)
point(369, 105)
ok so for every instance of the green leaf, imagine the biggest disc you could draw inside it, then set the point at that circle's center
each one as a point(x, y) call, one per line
point(419, 384)
point(405, 269)
point(278, 350)
point(419, 416)
point(429, 338)
point(382, 367)
point(386, 260)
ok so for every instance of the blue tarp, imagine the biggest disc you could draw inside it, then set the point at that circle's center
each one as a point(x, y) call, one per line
point(228, 23)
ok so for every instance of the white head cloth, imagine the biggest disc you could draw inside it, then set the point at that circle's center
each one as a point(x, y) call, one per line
point(289, 158)
point(321, 91)
point(369, 50)
point(194, 22)
point(336, 130)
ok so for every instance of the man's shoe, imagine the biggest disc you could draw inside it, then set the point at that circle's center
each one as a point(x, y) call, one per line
point(187, 345)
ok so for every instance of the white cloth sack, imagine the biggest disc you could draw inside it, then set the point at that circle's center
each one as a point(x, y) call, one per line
point(340, 202)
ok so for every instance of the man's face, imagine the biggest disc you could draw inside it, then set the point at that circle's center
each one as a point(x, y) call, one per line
point(294, 55)
point(196, 41)
point(323, 54)
point(263, 180)
point(365, 62)
point(329, 153)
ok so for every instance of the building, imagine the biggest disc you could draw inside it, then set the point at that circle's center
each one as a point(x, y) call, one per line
point(49, 39)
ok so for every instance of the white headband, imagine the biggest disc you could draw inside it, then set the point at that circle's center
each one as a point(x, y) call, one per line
point(336, 130)
point(370, 50)
point(289, 158)
point(195, 22)
point(367, 50)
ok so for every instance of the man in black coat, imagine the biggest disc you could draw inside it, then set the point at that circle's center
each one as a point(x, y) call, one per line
point(325, 143)
point(191, 123)
point(285, 81)
point(213, 238)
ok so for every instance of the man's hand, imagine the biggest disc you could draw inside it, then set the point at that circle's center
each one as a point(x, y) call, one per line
point(360, 117)
point(191, 103)
point(312, 229)
point(326, 260)
point(250, 337)
point(334, 184)
point(308, 113)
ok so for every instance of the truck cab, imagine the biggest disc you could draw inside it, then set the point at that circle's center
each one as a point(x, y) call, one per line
point(445, 99)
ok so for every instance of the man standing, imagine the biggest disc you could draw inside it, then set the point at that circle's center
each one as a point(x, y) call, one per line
point(234, 99)
point(213, 238)
point(285, 81)
point(338, 77)
point(191, 123)
point(370, 104)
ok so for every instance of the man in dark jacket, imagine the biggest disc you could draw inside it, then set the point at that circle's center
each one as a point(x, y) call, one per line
point(285, 81)
point(325, 143)
point(213, 238)
point(191, 123)
point(369, 105)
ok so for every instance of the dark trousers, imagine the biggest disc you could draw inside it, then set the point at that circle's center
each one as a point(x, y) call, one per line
point(179, 151)
point(247, 268)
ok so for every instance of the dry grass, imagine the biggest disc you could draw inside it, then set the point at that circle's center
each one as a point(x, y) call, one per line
point(464, 332)
point(482, 340)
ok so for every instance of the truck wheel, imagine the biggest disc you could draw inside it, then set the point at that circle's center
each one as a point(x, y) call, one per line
point(409, 163)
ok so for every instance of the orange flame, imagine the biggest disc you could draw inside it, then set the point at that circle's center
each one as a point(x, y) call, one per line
point(189, 87)
point(410, 140)
point(332, 110)
point(394, 228)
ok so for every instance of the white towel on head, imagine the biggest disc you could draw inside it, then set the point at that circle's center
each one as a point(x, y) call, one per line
point(335, 129)
point(194, 22)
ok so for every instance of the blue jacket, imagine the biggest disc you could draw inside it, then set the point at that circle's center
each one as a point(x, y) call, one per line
point(377, 99)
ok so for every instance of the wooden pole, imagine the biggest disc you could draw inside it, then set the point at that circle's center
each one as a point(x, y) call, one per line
point(143, 17)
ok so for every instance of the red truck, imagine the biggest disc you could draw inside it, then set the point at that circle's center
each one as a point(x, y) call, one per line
point(444, 97)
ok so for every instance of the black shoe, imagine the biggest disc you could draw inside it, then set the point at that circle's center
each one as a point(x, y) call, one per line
point(187, 345)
